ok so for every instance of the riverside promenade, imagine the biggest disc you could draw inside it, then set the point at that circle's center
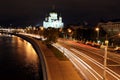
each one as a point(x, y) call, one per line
point(55, 68)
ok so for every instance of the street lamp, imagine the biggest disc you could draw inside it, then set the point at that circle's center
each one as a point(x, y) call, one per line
point(97, 29)
point(69, 30)
point(105, 60)
point(41, 31)
point(41, 28)
point(105, 55)
point(119, 34)
point(70, 33)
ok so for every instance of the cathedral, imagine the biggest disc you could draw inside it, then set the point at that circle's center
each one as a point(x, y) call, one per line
point(53, 20)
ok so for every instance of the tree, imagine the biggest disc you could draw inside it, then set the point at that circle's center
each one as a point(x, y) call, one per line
point(51, 34)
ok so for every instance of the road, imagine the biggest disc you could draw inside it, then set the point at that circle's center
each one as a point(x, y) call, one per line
point(89, 60)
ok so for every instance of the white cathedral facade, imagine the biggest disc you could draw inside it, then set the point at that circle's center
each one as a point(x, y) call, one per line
point(53, 21)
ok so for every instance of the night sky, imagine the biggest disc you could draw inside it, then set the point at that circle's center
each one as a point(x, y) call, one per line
point(33, 12)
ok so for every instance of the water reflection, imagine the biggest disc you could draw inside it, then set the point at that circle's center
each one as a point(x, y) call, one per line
point(18, 60)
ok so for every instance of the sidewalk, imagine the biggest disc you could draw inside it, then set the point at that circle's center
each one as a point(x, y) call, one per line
point(59, 70)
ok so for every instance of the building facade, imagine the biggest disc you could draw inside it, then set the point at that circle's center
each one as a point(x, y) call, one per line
point(53, 21)
point(111, 28)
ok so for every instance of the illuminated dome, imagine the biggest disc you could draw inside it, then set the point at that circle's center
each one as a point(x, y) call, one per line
point(53, 21)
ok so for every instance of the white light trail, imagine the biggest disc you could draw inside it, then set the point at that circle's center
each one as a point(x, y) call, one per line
point(114, 74)
point(78, 62)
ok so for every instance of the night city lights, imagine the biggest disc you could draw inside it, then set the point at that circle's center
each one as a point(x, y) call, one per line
point(60, 40)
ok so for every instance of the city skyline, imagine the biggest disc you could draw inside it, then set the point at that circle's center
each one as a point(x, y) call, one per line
point(33, 12)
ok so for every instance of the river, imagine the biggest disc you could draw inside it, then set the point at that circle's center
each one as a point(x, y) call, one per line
point(18, 59)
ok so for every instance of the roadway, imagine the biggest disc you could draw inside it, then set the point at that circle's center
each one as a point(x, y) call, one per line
point(89, 60)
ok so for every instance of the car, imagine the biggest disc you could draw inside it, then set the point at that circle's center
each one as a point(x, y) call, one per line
point(117, 49)
point(97, 45)
point(88, 43)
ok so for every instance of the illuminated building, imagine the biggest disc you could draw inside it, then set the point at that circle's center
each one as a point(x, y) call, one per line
point(53, 21)
point(110, 27)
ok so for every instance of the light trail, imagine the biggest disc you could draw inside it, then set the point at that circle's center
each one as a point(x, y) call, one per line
point(78, 62)
point(111, 72)
point(99, 54)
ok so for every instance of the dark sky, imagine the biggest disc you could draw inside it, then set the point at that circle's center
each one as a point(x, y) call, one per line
point(33, 12)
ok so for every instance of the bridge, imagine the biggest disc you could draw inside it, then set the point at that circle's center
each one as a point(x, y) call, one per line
point(11, 30)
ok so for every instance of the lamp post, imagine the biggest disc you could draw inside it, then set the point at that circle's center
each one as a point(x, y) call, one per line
point(105, 55)
point(70, 33)
point(69, 30)
point(105, 60)
point(97, 29)
point(41, 31)
point(41, 28)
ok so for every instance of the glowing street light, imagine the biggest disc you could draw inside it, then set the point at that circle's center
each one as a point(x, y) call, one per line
point(70, 33)
point(97, 29)
point(119, 34)
point(34, 28)
point(41, 31)
point(105, 60)
point(41, 28)
point(69, 30)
